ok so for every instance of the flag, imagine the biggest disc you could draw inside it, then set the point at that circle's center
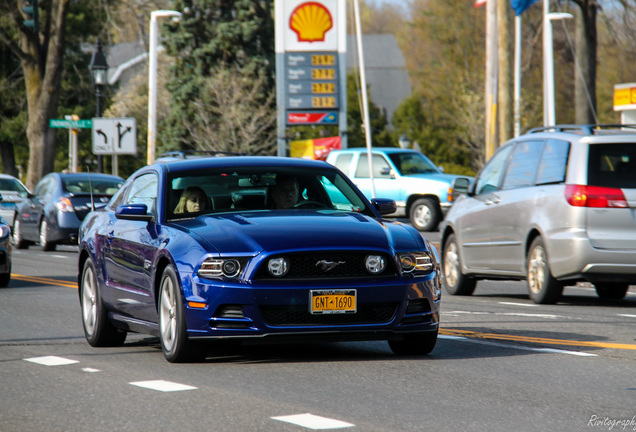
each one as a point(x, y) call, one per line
point(521, 5)
point(480, 3)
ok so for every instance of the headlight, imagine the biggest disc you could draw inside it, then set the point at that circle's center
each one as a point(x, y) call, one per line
point(416, 262)
point(4, 231)
point(218, 267)
point(278, 267)
point(375, 264)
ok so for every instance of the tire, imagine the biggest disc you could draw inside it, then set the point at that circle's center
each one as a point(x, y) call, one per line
point(425, 214)
point(414, 344)
point(455, 281)
point(99, 331)
point(5, 278)
point(176, 346)
point(16, 238)
point(543, 288)
point(45, 244)
point(611, 291)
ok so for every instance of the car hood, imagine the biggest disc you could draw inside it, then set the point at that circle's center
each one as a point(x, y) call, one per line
point(300, 230)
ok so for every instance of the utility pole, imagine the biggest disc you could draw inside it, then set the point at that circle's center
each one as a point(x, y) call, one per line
point(491, 79)
point(505, 75)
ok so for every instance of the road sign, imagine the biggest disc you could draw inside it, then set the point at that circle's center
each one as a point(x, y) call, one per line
point(70, 124)
point(114, 136)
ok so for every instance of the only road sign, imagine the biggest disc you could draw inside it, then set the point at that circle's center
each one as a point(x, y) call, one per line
point(114, 136)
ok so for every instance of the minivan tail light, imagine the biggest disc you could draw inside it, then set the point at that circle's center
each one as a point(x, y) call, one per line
point(595, 196)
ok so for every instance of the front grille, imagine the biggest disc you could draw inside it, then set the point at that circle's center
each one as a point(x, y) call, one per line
point(307, 266)
point(376, 313)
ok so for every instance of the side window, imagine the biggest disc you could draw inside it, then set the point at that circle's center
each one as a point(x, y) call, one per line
point(523, 164)
point(143, 190)
point(343, 162)
point(44, 188)
point(118, 198)
point(381, 168)
point(490, 176)
point(554, 162)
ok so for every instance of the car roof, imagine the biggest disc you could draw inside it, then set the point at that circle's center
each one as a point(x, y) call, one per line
point(242, 161)
point(86, 175)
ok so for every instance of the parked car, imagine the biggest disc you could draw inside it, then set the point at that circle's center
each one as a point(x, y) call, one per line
point(54, 211)
point(5, 253)
point(13, 194)
point(329, 268)
point(554, 207)
point(423, 193)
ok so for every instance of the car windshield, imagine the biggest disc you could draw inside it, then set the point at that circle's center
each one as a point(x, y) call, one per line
point(13, 186)
point(86, 185)
point(412, 163)
point(256, 188)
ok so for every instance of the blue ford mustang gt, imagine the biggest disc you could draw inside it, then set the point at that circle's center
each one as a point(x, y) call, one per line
point(236, 267)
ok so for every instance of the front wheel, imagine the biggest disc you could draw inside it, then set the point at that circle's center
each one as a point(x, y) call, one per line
point(455, 281)
point(543, 288)
point(414, 344)
point(99, 331)
point(176, 346)
point(425, 214)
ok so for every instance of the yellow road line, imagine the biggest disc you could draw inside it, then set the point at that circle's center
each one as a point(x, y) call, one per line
point(42, 280)
point(480, 335)
point(444, 331)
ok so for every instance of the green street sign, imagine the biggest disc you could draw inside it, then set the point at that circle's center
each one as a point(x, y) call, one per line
point(71, 124)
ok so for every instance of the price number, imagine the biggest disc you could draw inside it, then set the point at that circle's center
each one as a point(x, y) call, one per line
point(323, 60)
point(323, 88)
point(323, 102)
point(323, 74)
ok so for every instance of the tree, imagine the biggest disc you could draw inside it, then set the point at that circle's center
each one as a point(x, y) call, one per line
point(237, 33)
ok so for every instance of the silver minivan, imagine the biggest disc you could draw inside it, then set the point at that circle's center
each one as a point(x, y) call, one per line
point(555, 206)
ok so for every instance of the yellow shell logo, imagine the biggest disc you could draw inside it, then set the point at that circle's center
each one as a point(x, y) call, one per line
point(311, 21)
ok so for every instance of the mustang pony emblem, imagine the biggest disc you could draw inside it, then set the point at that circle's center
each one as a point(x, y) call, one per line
point(328, 265)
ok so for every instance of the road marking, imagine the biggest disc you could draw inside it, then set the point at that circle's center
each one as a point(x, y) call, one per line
point(520, 347)
point(51, 361)
point(47, 281)
point(530, 339)
point(314, 422)
point(527, 315)
point(627, 315)
point(161, 385)
point(91, 370)
point(519, 304)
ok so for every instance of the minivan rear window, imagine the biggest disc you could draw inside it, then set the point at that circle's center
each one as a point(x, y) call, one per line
point(612, 165)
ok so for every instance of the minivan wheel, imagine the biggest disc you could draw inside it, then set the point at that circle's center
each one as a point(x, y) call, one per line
point(455, 281)
point(543, 288)
point(611, 291)
point(425, 215)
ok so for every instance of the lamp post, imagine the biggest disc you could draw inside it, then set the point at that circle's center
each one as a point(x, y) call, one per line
point(99, 72)
point(152, 78)
point(549, 114)
point(404, 141)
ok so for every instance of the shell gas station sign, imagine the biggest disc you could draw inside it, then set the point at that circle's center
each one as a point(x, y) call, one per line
point(310, 64)
point(625, 102)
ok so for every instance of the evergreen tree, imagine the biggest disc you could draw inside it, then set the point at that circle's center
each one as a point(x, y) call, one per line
point(212, 33)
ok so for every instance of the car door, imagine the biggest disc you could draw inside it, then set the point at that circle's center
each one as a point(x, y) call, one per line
point(129, 253)
point(510, 216)
point(474, 220)
point(32, 209)
point(383, 179)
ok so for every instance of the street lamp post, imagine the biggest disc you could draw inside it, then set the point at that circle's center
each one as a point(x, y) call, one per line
point(99, 72)
point(152, 78)
point(549, 112)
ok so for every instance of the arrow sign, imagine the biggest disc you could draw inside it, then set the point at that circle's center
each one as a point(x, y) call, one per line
point(114, 136)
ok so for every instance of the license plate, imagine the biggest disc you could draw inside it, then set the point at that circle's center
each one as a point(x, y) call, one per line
point(332, 301)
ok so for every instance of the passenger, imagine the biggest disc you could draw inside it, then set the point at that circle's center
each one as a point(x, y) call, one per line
point(193, 200)
point(285, 192)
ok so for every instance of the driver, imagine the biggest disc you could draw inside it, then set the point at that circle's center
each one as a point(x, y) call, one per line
point(285, 192)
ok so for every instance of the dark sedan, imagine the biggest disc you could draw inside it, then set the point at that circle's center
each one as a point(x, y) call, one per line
point(52, 214)
point(209, 249)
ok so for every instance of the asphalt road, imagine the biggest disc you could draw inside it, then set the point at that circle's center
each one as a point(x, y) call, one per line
point(501, 364)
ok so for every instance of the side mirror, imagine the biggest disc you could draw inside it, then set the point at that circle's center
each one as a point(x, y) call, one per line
point(384, 206)
point(462, 185)
point(138, 212)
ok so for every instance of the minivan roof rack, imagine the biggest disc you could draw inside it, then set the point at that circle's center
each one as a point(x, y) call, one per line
point(590, 129)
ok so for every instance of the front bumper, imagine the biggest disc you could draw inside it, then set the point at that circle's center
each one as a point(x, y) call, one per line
point(385, 310)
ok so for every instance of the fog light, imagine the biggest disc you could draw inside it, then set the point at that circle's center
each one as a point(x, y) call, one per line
point(278, 267)
point(375, 264)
